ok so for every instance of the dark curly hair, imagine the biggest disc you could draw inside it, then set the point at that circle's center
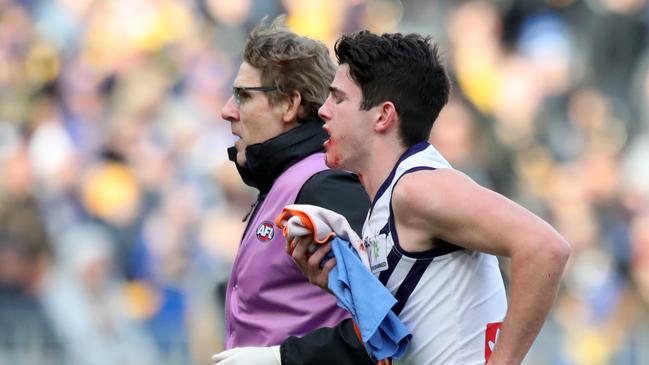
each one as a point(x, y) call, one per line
point(404, 69)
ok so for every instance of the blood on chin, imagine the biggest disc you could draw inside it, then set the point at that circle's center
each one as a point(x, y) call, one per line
point(333, 159)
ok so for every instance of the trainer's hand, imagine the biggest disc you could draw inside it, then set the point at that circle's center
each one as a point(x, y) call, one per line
point(249, 356)
point(310, 264)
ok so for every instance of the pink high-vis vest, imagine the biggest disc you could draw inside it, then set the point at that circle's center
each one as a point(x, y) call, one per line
point(268, 299)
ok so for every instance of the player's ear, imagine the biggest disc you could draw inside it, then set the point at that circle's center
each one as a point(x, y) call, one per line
point(386, 116)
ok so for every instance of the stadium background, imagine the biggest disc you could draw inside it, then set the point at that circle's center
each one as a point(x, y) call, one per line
point(119, 213)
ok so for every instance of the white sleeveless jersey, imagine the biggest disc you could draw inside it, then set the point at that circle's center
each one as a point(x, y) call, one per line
point(451, 299)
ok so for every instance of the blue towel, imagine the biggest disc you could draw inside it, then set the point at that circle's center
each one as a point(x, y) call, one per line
point(370, 303)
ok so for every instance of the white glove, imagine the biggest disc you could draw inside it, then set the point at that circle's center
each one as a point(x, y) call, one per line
point(249, 356)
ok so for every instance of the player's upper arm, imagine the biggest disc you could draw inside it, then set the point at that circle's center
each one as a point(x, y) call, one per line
point(448, 205)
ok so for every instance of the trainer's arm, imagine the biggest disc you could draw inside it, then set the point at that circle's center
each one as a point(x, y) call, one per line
point(324, 346)
point(340, 192)
point(476, 218)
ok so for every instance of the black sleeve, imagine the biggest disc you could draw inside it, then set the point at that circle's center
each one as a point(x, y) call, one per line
point(339, 191)
point(342, 193)
point(325, 346)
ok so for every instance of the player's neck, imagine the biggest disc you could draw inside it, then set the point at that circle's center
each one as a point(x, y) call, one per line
point(378, 167)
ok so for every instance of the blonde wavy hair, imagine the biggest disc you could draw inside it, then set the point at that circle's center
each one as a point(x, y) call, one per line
point(290, 62)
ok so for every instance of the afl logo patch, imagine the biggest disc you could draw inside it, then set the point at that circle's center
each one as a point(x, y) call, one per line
point(265, 231)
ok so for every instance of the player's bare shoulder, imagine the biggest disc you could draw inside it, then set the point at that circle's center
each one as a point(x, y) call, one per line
point(430, 196)
point(431, 189)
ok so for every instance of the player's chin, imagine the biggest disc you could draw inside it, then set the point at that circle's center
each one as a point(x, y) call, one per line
point(333, 160)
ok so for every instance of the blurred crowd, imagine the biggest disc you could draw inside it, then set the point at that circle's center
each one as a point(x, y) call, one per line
point(120, 214)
